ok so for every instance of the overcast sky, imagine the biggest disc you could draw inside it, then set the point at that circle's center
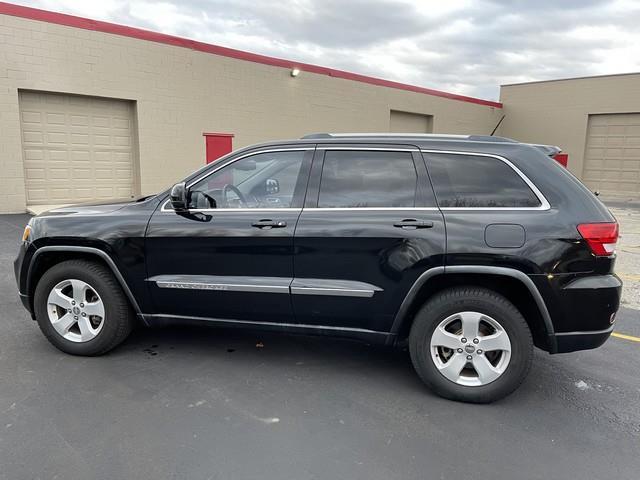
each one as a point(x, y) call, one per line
point(462, 46)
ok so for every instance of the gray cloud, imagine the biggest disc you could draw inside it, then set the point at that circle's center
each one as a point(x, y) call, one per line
point(466, 47)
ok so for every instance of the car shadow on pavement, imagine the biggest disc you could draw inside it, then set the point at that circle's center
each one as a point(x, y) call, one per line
point(240, 349)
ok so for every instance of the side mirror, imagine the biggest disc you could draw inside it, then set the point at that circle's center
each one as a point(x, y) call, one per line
point(178, 197)
point(272, 186)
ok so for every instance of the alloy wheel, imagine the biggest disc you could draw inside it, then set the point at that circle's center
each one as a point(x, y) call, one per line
point(75, 310)
point(470, 348)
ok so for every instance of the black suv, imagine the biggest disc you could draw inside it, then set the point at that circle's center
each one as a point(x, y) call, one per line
point(470, 249)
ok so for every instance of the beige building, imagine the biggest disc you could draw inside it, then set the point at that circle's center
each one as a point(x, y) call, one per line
point(596, 121)
point(91, 110)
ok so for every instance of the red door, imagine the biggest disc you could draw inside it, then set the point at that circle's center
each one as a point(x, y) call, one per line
point(218, 144)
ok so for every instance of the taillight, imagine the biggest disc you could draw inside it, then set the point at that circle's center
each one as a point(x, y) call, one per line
point(601, 237)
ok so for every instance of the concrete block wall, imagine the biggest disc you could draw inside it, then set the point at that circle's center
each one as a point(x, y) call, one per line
point(557, 112)
point(179, 93)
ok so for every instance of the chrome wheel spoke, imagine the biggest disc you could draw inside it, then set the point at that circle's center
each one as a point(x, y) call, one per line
point(87, 332)
point(79, 290)
point(453, 367)
point(63, 324)
point(442, 338)
point(470, 324)
point(486, 372)
point(94, 309)
point(497, 341)
point(56, 297)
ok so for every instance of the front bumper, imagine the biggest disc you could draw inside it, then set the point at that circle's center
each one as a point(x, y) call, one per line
point(20, 269)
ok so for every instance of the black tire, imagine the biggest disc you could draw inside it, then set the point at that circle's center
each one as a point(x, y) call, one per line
point(118, 319)
point(490, 303)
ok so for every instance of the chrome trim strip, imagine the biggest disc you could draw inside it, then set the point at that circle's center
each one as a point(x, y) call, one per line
point(370, 149)
point(248, 154)
point(586, 332)
point(339, 209)
point(335, 292)
point(274, 324)
point(338, 288)
point(223, 287)
point(544, 204)
point(223, 283)
point(298, 286)
point(400, 135)
point(228, 210)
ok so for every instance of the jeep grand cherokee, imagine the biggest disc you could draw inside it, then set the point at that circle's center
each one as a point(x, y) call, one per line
point(468, 249)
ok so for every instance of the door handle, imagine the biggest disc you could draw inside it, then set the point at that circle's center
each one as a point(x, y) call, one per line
point(267, 223)
point(412, 223)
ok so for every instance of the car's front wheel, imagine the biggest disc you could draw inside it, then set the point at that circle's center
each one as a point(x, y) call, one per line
point(81, 308)
point(471, 344)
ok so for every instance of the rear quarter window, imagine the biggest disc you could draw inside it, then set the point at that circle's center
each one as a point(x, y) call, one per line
point(468, 181)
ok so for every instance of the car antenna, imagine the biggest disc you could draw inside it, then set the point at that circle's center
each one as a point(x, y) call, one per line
point(494, 130)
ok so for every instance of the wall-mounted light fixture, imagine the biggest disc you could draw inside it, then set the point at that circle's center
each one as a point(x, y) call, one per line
point(295, 72)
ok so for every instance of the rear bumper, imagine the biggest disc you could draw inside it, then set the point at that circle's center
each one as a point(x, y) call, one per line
point(582, 309)
point(572, 341)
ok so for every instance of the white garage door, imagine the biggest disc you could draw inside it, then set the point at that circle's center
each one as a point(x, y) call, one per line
point(612, 154)
point(76, 148)
point(407, 122)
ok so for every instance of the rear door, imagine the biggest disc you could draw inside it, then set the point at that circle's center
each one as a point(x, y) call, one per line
point(369, 228)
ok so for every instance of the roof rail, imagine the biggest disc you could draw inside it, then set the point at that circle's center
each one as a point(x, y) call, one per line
point(383, 134)
point(434, 136)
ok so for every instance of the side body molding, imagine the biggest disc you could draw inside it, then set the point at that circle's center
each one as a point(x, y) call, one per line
point(478, 269)
point(93, 251)
point(294, 286)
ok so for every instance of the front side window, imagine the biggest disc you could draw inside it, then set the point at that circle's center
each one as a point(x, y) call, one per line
point(263, 180)
point(352, 179)
point(477, 181)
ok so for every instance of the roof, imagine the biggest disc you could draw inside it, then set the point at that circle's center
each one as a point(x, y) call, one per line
point(138, 33)
point(594, 77)
point(437, 141)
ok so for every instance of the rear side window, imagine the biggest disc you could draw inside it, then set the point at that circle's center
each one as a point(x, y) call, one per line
point(475, 181)
point(367, 179)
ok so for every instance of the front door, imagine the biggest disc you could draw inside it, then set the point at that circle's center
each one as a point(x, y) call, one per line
point(369, 228)
point(231, 255)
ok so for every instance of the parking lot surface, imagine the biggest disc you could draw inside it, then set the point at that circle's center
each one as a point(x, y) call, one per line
point(221, 404)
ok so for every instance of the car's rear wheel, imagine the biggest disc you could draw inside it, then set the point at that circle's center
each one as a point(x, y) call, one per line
point(471, 344)
point(81, 308)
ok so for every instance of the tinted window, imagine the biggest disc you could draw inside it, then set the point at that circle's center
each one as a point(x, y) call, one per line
point(474, 181)
point(367, 179)
point(264, 180)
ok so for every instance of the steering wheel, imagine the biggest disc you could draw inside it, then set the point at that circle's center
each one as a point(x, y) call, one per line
point(232, 188)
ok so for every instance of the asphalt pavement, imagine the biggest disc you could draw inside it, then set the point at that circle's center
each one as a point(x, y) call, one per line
point(202, 403)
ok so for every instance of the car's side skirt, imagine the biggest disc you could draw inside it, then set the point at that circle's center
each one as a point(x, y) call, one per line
point(369, 336)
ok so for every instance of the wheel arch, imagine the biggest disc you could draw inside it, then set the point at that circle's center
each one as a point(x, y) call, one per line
point(46, 257)
point(515, 285)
